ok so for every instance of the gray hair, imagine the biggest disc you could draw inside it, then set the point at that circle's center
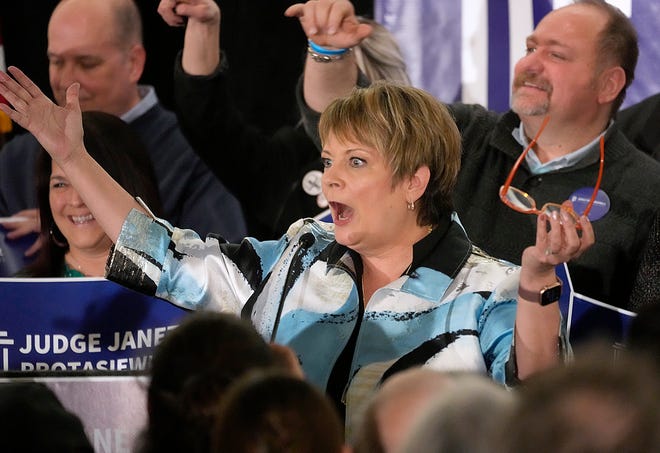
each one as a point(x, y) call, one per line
point(379, 57)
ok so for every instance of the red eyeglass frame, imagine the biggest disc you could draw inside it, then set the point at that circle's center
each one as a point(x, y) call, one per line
point(507, 184)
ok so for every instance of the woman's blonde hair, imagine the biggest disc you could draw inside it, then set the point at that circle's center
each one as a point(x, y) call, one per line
point(379, 57)
point(411, 129)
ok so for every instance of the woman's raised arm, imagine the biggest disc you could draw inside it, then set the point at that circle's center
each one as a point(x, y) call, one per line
point(537, 326)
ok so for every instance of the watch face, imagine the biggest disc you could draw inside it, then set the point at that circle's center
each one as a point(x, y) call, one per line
point(551, 295)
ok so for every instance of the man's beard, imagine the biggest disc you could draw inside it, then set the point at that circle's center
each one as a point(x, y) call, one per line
point(518, 103)
point(537, 109)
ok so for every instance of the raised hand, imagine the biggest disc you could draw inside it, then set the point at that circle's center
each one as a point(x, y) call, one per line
point(175, 12)
point(60, 132)
point(201, 44)
point(58, 129)
point(330, 23)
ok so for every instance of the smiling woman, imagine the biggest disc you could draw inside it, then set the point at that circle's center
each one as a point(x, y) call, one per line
point(75, 245)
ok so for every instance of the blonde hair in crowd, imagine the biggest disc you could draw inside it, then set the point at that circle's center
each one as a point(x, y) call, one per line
point(379, 57)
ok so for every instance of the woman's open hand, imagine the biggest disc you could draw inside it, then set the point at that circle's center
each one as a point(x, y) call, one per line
point(58, 129)
point(562, 242)
point(330, 22)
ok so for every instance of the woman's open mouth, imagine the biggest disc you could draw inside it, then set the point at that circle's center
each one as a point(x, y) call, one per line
point(341, 213)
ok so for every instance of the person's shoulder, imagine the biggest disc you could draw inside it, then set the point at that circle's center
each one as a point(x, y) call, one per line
point(19, 145)
point(157, 116)
point(17, 159)
point(479, 118)
point(481, 261)
point(310, 233)
point(632, 175)
point(636, 159)
point(639, 123)
point(461, 111)
point(161, 132)
point(645, 171)
point(320, 230)
point(479, 257)
point(484, 274)
point(641, 110)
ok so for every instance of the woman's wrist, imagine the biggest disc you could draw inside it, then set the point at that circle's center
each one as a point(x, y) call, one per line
point(322, 54)
point(535, 279)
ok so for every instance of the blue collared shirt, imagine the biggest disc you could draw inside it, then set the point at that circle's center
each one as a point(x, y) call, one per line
point(589, 153)
point(148, 99)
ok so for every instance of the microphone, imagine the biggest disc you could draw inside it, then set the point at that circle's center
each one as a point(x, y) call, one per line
point(304, 243)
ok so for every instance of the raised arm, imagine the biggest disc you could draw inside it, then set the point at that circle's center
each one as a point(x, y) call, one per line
point(59, 130)
point(201, 43)
point(537, 326)
point(331, 24)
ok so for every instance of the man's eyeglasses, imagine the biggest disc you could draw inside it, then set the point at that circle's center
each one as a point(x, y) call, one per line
point(521, 201)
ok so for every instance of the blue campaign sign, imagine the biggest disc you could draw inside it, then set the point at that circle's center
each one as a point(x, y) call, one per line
point(79, 324)
point(588, 318)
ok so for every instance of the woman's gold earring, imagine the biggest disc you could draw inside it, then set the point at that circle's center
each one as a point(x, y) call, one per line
point(411, 206)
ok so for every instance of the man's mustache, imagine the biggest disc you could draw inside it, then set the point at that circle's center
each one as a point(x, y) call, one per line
point(526, 79)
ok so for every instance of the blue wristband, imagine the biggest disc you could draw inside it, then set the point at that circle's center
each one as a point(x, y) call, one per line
point(323, 51)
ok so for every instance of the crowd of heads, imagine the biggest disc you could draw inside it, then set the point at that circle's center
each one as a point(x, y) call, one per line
point(216, 386)
point(600, 402)
point(191, 371)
